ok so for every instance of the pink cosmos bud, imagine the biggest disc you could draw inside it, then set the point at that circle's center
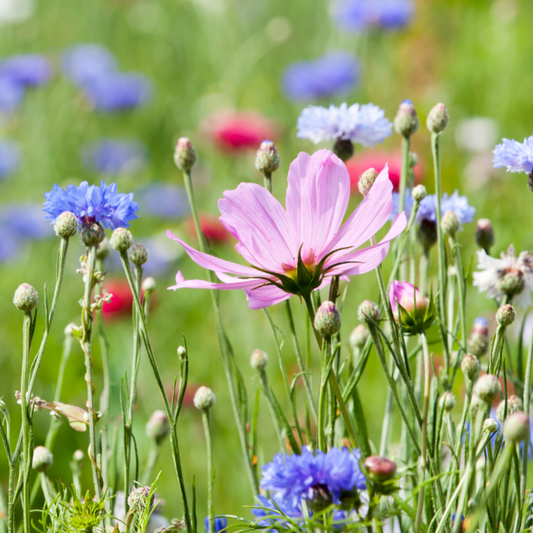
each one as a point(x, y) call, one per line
point(408, 296)
point(380, 467)
point(484, 234)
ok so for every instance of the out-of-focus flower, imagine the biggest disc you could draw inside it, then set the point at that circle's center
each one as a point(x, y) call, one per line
point(220, 523)
point(116, 91)
point(161, 256)
point(298, 250)
point(163, 200)
point(100, 204)
point(122, 300)
point(364, 124)
point(359, 164)
point(24, 221)
point(84, 63)
point(476, 134)
point(16, 11)
point(332, 74)
point(515, 156)
point(26, 69)
point(9, 156)
point(357, 15)
point(509, 275)
point(455, 203)
point(236, 131)
point(9, 247)
point(11, 94)
point(212, 228)
point(115, 156)
point(268, 513)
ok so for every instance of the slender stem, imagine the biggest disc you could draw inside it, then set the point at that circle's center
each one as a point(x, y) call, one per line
point(526, 401)
point(385, 428)
point(268, 181)
point(263, 379)
point(210, 471)
point(406, 141)
point(153, 456)
point(461, 286)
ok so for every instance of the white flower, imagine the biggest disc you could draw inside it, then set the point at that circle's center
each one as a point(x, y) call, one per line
point(364, 124)
point(493, 270)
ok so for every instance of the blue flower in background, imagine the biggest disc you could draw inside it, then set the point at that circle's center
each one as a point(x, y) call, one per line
point(115, 156)
point(220, 524)
point(458, 204)
point(92, 204)
point(515, 156)
point(332, 74)
point(274, 511)
point(115, 91)
point(408, 204)
point(85, 62)
point(11, 94)
point(26, 69)
point(9, 247)
point(364, 124)
point(293, 478)
point(24, 221)
point(357, 15)
point(9, 156)
point(163, 200)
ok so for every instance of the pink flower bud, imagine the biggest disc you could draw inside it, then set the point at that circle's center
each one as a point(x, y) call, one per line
point(408, 296)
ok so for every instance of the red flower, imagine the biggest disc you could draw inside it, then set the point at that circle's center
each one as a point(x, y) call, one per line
point(122, 301)
point(213, 230)
point(357, 165)
point(238, 131)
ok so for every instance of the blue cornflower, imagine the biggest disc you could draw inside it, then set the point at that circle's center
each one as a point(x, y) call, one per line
point(515, 156)
point(11, 94)
point(408, 204)
point(163, 200)
point(357, 15)
point(333, 73)
point(364, 124)
point(101, 204)
point(9, 247)
point(85, 62)
point(115, 91)
point(26, 69)
point(221, 523)
point(9, 156)
point(293, 478)
point(23, 221)
point(114, 156)
point(275, 512)
point(458, 204)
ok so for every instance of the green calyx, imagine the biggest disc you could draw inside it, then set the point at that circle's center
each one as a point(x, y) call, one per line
point(419, 319)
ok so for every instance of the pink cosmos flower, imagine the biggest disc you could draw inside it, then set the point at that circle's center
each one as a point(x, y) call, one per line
point(298, 249)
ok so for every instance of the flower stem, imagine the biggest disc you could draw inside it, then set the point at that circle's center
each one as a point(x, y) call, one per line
point(527, 399)
point(406, 141)
point(210, 471)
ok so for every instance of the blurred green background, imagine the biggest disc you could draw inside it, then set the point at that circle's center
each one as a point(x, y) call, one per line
point(204, 56)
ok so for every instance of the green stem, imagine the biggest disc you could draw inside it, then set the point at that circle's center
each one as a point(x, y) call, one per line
point(461, 286)
point(263, 379)
point(210, 471)
point(406, 141)
point(526, 400)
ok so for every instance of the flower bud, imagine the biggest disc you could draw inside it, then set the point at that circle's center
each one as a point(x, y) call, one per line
point(438, 119)
point(490, 425)
point(419, 193)
point(516, 427)
point(478, 341)
point(103, 250)
point(413, 159)
point(121, 239)
point(380, 468)
point(427, 234)
point(138, 499)
point(512, 282)
point(410, 306)
point(148, 284)
point(368, 312)
point(184, 154)
point(42, 459)
point(505, 315)
point(447, 401)
point(487, 388)
point(182, 352)
point(158, 427)
point(505, 409)
point(204, 399)
point(26, 298)
point(267, 159)
point(484, 234)
point(68, 329)
point(359, 337)
point(450, 223)
point(470, 367)
point(366, 180)
point(343, 149)
point(406, 122)
point(516, 401)
point(66, 225)
point(78, 456)
point(92, 234)
point(259, 360)
point(139, 254)
point(327, 319)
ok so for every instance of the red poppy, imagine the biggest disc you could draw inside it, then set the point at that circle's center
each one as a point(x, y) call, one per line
point(238, 131)
point(358, 164)
point(213, 230)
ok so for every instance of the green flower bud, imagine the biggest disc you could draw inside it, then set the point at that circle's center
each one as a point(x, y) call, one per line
point(380, 468)
point(484, 234)
point(368, 311)
point(121, 239)
point(516, 401)
point(184, 155)
point(490, 425)
point(512, 283)
point(516, 427)
point(359, 337)
point(504, 406)
point(42, 459)
point(487, 388)
point(139, 254)
point(267, 159)
point(447, 401)
point(204, 399)
point(366, 180)
point(259, 360)
point(419, 193)
point(438, 119)
point(138, 499)
point(92, 234)
point(406, 122)
point(148, 285)
point(343, 149)
point(327, 319)
point(26, 298)
point(158, 427)
point(68, 329)
point(103, 250)
point(505, 315)
point(66, 225)
point(450, 223)
point(182, 352)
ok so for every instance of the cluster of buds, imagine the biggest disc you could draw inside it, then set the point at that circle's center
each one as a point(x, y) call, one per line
point(38, 404)
point(478, 341)
point(410, 307)
point(100, 300)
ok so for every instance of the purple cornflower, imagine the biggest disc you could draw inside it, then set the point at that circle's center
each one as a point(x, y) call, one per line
point(163, 200)
point(26, 69)
point(101, 204)
point(115, 156)
point(9, 156)
point(357, 15)
point(85, 62)
point(270, 512)
point(115, 91)
point(11, 94)
point(364, 124)
point(515, 156)
point(313, 476)
point(333, 73)
point(221, 523)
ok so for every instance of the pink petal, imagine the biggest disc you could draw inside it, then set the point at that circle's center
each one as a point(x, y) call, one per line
point(265, 296)
point(259, 222)
point(214, 263)
point(369, 258)
point(182, 283)
point(370, 215)
point(317, 198)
